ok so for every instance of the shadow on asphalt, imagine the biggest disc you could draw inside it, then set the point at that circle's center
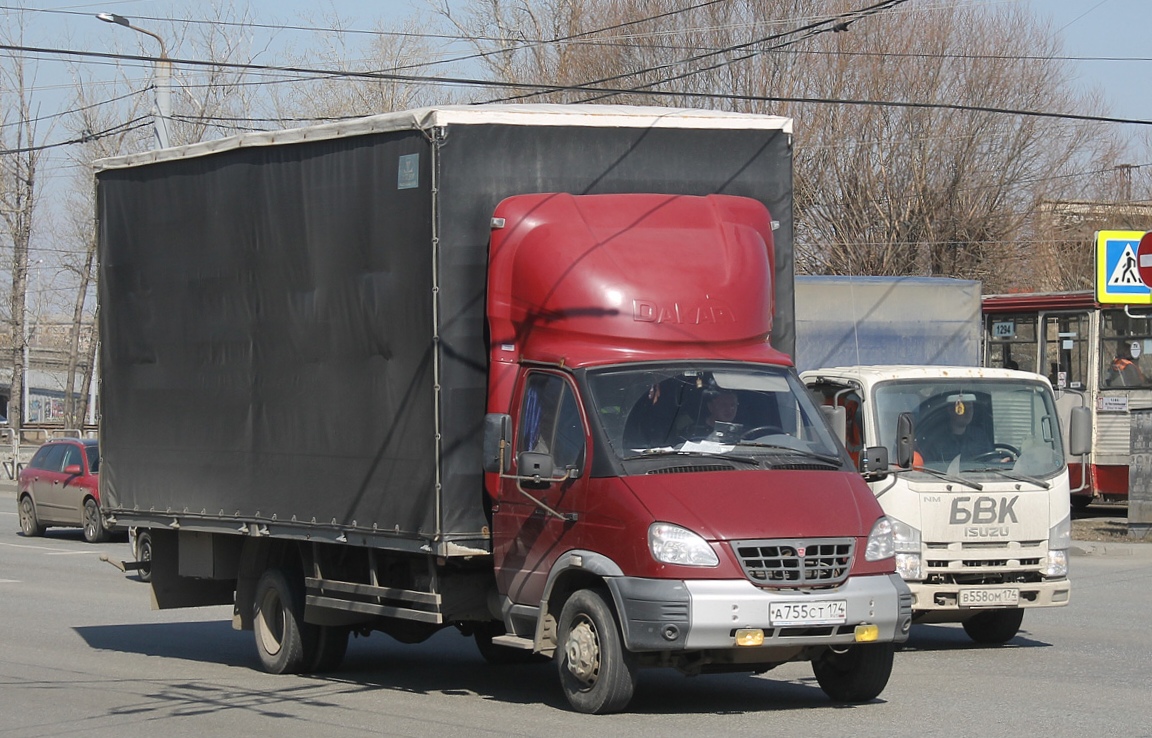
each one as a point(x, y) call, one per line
point(449, 664)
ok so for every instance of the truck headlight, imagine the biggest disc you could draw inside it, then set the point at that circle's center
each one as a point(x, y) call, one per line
point(1059, 539)
point(671, 544)
point(1056, 565)
point(906, 540)
point(880, 543)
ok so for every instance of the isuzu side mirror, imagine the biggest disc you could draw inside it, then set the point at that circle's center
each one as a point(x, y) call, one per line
point(874, 462)
point(1080, 431)
point(837, 419)
point(497, 443)
point(905, 435)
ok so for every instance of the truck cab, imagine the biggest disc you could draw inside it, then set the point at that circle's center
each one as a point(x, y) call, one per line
point(664, 490)
point(978, 495)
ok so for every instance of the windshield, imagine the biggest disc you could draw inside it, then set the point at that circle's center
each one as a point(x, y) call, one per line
point(974, 425)
point(709, 408)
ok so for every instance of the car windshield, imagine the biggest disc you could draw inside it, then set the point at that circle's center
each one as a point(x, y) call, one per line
point(974, 425)
point(750, 410)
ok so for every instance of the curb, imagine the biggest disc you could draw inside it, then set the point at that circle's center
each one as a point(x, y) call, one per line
point(1100, 548)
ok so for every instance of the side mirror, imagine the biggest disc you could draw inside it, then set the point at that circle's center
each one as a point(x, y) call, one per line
point(535, 464)
point(1080, 431)
point(497, 443)
point(874, 462)
point(837, 419)
point(72, 470)
point(905, 435)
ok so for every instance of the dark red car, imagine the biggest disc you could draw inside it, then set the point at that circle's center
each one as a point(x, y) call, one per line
point(60, 487)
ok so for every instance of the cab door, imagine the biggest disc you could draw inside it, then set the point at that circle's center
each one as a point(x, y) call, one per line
point(534, 522)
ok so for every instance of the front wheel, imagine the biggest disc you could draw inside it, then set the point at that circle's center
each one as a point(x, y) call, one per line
point(994, 626)
point(597, 673)
point(94, 530)
point(857, 674)
point(278, 623)
point(29, 523)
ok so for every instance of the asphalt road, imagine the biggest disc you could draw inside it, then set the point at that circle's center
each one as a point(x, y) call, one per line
point(82, 653)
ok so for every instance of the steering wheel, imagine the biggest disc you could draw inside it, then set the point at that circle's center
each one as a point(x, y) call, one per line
point(999, 452)
point(760, 430)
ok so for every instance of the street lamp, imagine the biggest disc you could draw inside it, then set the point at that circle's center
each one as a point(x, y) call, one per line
point(162, 74)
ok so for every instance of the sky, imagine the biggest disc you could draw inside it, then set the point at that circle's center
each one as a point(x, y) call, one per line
point(1111, 38)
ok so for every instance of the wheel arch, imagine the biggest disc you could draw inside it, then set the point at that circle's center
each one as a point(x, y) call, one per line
point(573, 571)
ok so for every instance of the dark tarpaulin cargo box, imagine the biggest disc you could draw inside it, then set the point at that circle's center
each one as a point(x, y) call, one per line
point(292, 323)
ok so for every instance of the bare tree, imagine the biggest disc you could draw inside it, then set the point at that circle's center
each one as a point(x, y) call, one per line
point(366, 78)
point(887, 180)
point(20, 155)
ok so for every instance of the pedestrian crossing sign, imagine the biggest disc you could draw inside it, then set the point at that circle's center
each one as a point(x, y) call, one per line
point(1118, 269)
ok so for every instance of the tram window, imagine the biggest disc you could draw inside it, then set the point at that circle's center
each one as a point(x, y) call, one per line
point(1126, 350)
point(1012, 342)
point(1066, 349)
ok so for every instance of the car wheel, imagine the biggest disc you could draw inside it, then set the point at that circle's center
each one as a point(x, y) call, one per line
point(29, 523)
point(995, 626)
point(597, 674)
point(857, 673)
point(144, 555)
point(94, 531)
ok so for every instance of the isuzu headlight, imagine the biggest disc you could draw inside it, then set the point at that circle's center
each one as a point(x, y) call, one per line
point(671, 544)
point(880, 543)
point(1059, 539)
point(906, 539)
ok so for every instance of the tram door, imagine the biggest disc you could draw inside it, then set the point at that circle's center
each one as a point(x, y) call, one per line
point(1067, 350)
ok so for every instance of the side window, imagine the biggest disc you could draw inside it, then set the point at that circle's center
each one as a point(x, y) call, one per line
point(50, 458)
point(550, 420)
point(71, 456)
point(93, 453)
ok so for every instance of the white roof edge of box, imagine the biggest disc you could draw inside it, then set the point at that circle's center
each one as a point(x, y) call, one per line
point(423, 119)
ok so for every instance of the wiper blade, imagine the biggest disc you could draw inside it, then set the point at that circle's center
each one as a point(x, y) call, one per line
point(1043, 484)
point(940, 475)
point(657, 452)
point(836, 460)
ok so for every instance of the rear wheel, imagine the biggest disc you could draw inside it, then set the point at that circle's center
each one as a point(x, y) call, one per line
point(330, 644)
point(278, 623)
point(29, 523)
point(597, 673)
point(856, 674)
point(994, 626)
point(94, 530)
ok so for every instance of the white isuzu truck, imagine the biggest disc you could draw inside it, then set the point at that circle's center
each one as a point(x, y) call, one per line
point(978, 491)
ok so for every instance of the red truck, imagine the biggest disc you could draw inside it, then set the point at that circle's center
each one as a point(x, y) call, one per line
point(521, 370)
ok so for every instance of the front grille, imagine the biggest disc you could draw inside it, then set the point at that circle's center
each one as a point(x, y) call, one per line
point(821, 562)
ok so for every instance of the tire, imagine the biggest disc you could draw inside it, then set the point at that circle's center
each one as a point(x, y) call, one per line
point(329, 644)
point(144, 555)
point(994, 626)
point(597, 674)
point(502, 655)
point(30, 524)
point(278, 623)
point(94, 530)
point(858, 674)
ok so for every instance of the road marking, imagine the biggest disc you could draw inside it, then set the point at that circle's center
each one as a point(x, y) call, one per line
point(9, 581)
point(54, 551)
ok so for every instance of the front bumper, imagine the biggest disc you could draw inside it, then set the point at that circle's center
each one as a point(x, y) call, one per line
point(667, 615)
point(941, 598)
